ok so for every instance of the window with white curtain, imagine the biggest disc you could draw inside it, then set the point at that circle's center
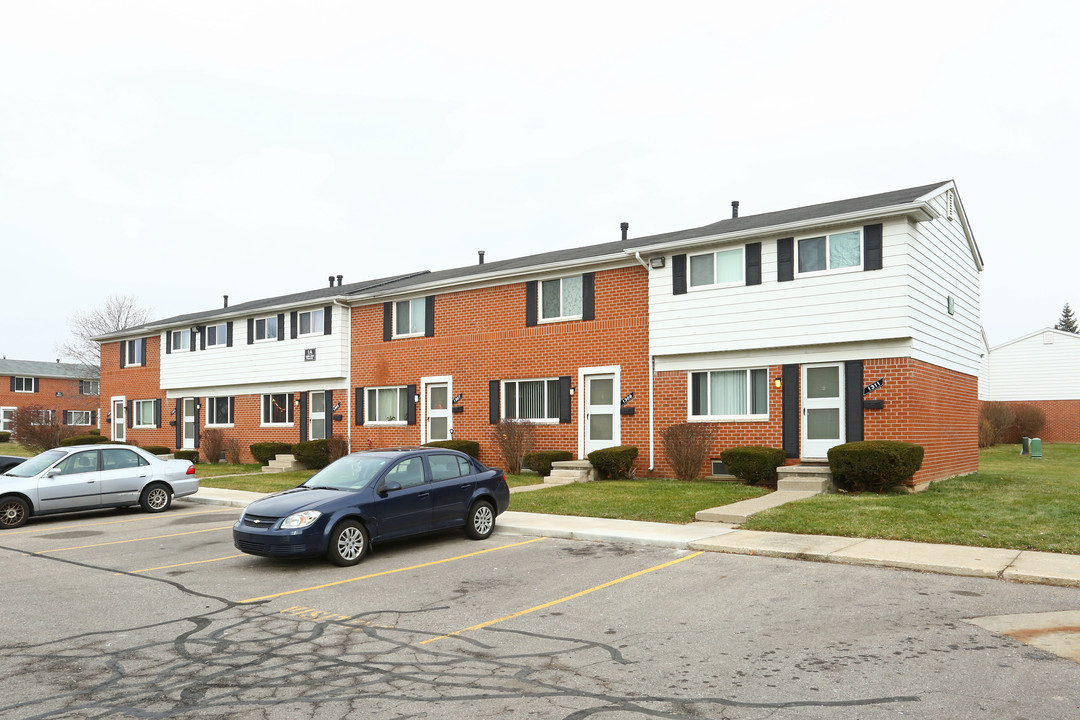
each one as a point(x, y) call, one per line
point(531, 399)
point(729, 393)
point(719, 268)
point(387, 405)
point(560, 299)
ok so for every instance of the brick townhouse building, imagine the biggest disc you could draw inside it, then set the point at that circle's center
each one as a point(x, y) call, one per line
point(66, 391)
point(800, 329)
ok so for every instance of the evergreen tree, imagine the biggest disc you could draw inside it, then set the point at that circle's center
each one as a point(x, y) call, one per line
point(1067, 321)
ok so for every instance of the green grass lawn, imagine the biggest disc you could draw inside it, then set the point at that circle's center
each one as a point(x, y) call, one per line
point(16, 450)
point(260, 483)
point(208, 470)
point(1012, 502)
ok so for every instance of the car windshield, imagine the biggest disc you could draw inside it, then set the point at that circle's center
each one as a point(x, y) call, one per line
point(36, 464)
point(352, 472)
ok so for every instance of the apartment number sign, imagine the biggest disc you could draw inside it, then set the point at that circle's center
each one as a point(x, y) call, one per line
point(873, 386)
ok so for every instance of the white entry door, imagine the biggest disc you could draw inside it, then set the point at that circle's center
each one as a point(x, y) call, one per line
point(7, 419)
point(438, 417)
point(601, 412)
point(190, 418)
point(823, 409)
point(317, 415)
point(119, 419)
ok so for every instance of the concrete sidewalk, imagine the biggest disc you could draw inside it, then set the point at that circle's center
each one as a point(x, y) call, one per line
point(1021, 566)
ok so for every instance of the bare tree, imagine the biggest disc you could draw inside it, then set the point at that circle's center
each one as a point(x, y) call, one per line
point(118, 312)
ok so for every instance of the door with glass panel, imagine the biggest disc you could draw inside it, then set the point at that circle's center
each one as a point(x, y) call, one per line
point(7, 419)
point(317, 415)
point(438, 420)
point(601, 412)
point(823, 409)
point(119, 420)
point(190, 418)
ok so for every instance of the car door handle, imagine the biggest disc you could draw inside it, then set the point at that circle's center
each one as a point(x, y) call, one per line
point(422, 495)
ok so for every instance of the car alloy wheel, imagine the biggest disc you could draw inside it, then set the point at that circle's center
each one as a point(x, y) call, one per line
point(13, 512)
point(155, 498)
point(481, 520)
point(348, 543)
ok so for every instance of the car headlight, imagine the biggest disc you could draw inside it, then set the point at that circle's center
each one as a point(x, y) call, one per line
point(300, 519)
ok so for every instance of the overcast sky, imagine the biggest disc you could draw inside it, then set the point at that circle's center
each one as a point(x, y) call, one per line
point(181, 151)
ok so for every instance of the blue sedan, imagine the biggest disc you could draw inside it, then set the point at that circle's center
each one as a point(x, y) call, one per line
point(374, 496)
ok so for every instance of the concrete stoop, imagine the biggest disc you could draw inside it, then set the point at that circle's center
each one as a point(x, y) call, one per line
point(282, 463)
point(737, 513)
point(564, 472)
point(809, 478)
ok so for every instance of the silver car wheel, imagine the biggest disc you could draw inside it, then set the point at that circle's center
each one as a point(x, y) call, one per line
point(13, 513)
point(481, 520)
point(350, 543)
point(157, 498)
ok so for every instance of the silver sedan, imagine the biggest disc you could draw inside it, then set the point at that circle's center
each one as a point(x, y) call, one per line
point(84, 477)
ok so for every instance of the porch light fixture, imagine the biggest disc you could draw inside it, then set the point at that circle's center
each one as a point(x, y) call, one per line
point(572, 390)
point(416, 397)
point(657, 262)
point(778, 382)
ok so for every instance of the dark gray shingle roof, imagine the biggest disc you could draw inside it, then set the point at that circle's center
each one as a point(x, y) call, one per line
point(36, 368)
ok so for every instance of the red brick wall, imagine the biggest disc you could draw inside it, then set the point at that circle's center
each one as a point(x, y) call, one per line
point(46, 397)
point(1062, 419)
point(480, 335)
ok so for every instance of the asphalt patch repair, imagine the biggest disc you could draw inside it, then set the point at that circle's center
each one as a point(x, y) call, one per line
point(1055, 632)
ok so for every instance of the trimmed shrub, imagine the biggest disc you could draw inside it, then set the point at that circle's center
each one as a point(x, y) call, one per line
point(212, 442)
point(469, 447)
point(85, 440)
point(264, 452)
point(541, 460)
point(614, 463)
point(754, 465)
point(338, 447)
point(95, 431)
point(313, 454)
point(874, 465)
point(5, 436)
point(192, 455)
point(157, 449)
point(686, 446)
point(514, 438)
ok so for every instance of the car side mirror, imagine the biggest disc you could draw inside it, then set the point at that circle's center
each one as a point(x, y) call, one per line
point(52, 472)
point(389, 486)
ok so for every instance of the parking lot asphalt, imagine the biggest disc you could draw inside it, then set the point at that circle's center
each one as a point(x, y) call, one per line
point(1014, 565)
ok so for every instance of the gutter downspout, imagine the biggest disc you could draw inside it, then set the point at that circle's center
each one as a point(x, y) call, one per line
point(652, 404)
point(348, 372)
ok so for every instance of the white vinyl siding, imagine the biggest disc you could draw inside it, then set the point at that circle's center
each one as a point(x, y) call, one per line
point(1031, 368)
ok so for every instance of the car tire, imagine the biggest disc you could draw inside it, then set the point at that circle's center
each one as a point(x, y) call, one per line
point(13, 512)
point(348, 543)
point(481, 521)
point(156, 497)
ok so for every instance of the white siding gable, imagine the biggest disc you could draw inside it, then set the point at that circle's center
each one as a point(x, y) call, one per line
point(1039, 366)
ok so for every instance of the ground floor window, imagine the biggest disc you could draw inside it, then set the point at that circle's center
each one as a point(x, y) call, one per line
point(143, 415)
point(531, 399)
point(219, 411)
point(277, 409)
point(387, 405)
point(77, 417)
point(724, 394)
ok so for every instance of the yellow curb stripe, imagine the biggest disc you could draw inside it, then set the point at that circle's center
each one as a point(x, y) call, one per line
point(166, 567)
point(121, 542)
point(562, 600)
point(391, 572)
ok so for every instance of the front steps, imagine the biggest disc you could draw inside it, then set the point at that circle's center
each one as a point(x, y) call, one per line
point(815, 478)
point(794, 482)
point(282, 463)
point(564, 472)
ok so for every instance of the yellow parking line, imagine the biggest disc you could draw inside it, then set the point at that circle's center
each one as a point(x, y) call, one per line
point(121, 542)
point(390, 572)
point(166, 567)
point(562, 600)
point(151, 516)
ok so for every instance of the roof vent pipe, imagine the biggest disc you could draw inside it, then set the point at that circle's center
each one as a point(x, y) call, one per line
point(481, 253)
point(339, 280)
point(226, 301)
point(625, 226)
point(331, 281)
point(734, 209)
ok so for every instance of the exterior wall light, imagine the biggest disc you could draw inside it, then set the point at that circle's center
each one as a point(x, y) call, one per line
point(657, 262)
point(778, 382)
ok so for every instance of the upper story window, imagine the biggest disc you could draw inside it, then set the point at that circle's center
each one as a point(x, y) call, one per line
point(727, 394)
point(531, 399)
point(830, 252)
point(217, 335)
point(134, 352)
point(724, 267)
point(181, 340)
point(410, 317)
point(89, 387)
point(22, 384)
point(311, 322)
point(267, 328)
point(561, 299)
point(387, 405)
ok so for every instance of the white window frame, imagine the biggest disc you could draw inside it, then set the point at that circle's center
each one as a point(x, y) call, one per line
point(221, 335)
point(314, 327)
point(69, 417)
point(829, 270)
point(136, 407)
point(211, 415)
point(133, 353)
point(749, 416)
point(45, 417)
point(413, 332)
point(181, 340)
point(741, 250)
point(546, 386)
point(93, 385)
point(369, 406)
point(266, 323)
point(266, 421)
point(25, 382)
point(562, 316)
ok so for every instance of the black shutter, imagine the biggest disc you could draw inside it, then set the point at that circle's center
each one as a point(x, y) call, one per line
point(678, 274)
point(12, 378)
point(292, 325)
point(37, 384)
point(93, 417)
point(790, 412)
point(493, 402)
point(328, 412)
point(63, 417)
point(251, 330)
point(564, 399)
point(327, 320)
point(588, 296)
point(157, 413)
point(429, 316)
point(228, 334)
point(289, 410)
point(753, 263)
point(303, 417)
point(179, 422)
point(168, 342)
point(853, 409)
point(130, 413)
point(232, 409)
point(281, 326)
point(410, 404)
point(872, 247)
point(202, 339)
point(785, 259)
point(359, 406)
point(123, 353)
point(387, 321)
point(530, 303)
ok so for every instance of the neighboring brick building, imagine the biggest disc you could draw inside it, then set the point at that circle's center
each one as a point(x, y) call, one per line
point(69, 391)
point(800, 329)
